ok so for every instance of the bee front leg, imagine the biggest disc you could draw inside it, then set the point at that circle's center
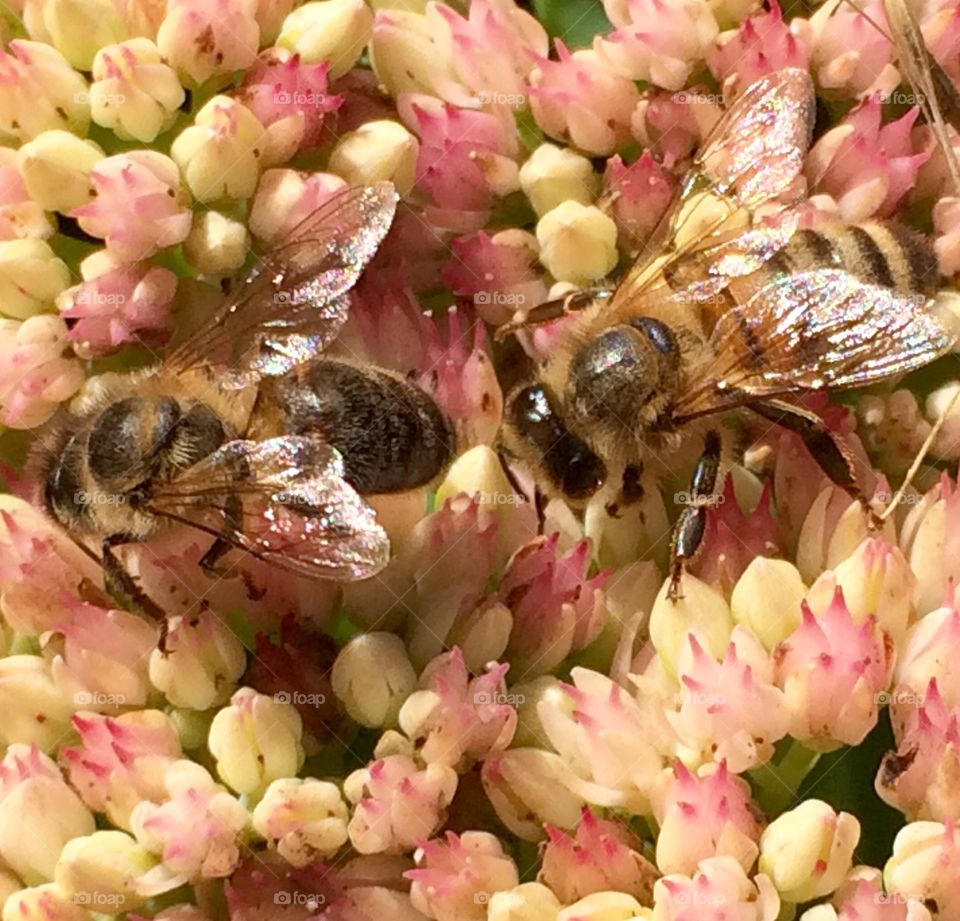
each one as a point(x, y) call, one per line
point(208, 562)
point(121, 585)
point(688, 532)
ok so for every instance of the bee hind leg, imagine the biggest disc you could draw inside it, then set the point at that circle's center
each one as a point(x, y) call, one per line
point(688, 532)
point(121, 586)
point(827, 448)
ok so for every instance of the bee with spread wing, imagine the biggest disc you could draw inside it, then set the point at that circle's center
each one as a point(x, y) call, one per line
point(245, 432)
point(740, 308)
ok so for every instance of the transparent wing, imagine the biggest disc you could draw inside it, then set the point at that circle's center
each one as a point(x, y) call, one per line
point(752, 157)
point(285, 501)
point(810, 331)
point(293, 303)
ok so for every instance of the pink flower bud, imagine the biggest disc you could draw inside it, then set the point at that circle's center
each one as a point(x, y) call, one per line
point(135, 93)
point(729, 710)
point(139, 206)
point(704, 815)
point(39, 813)
point(602, 855)
point(862, 896)
point(217, 37)
point(460, 718)
point(850, 51)
point(499, 271)
point(941, 31)
point(289, 98)
point(397, 804)
point(556, 608)
point(866, 167)
point(117, 304)
point(925, 656)
point(494, 48)
point(40, 91)
point(719, 885)
point(100, 664)
point(196, 832)
point(285, 197)
point(121, 761)
point(674, 124)
point(459, 149)
point(920, 777)
point(733, 539)
point(763, 44)
point(458, 372)
point(456, 878)
point(638, 196)
point(876, 580)
point(577, 98)
point(832, 672)
point(663, 43)
point(35, 372)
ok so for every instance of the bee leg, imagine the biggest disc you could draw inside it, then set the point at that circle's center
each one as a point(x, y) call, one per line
point(122, 587)
point(221, 546)
point(827, 448)
point(548, 311)
point(688, 532)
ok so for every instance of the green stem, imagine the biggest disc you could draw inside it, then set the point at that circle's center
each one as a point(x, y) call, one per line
point(776, 783)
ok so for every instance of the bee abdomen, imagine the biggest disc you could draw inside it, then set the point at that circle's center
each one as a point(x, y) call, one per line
point(391, 433)
point(877, 252)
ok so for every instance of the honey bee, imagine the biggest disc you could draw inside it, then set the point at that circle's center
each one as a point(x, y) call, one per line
point(245, 432)
point(741, 309)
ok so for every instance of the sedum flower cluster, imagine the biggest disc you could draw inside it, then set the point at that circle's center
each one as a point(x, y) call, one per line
point(512, 722)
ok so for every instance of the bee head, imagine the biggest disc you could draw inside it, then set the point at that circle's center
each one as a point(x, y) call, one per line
point(624, 377)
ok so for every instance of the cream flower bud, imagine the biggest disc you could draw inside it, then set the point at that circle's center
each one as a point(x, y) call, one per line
point(603, 906)
point(376, 151)
point(34, 710)
point(808, 851)
point(767, 598)
point(203, 662)
point(525, 786)
point(217, 244)
point(79, 29)
point(578, 243)
point(701, 611)
point(925, 865)
point(55, 167)
point(526, 902)
point(38, 799)
point(103, 869)
point(256, 739)
point(554, 175)
point(44, 903)
point(31, 277)
point(372, 677)
point(328, 30)
point(218, 154)
point(305, 820)
point(134, 93)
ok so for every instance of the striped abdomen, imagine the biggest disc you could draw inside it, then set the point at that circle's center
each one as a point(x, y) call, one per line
point(877, 252)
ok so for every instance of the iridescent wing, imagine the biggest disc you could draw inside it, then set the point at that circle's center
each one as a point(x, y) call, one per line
point(810, 331)
point(294, 302)
point(285, 501)
point(753, 157)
